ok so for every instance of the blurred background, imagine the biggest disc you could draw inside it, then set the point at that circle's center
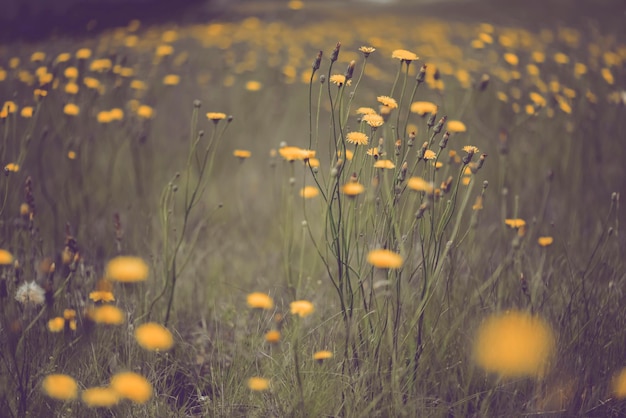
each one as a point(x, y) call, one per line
point(34, 19)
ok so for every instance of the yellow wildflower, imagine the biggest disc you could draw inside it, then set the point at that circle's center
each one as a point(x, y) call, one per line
point(132, 386)
point(301, 308)
point(154, 337)
point(260, 301)
point(383, 258)
point(127, 269)
point(60, 386)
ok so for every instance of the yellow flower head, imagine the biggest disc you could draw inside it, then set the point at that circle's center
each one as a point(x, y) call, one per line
point(242, 154)
point(253, 85)
point(471, 149)
point(429, 154)
point(6, 258)
point(374, 120)
point(12, 167)
point(295, 153)
point(127, 269)
point(619, 384)
point(367, 50)
point(153, 336)
point(71, 109)
point(352, 189)
point(60, 386)
point(545, 241)
point(339, 80)
point(145, 111)
point(56, 324)
point(171, 80)
point(301, 308)
point(514, 344)
point(83, 54)
point(385, 259)
point(388, 164)
point(515, 223)
point(101, 296)
point(421, 108)
point(164, 50)
point(216, 116)
point(511, 58)
point(365, 111)
point(132, 386)
point(100, 397)
point(272, 336)
point(309, 192)
point(106, 314)
point(258, 384)
point(390, 102)
point(322, 355)
point(420, 185)
point(260, 300)
point(404, 55)
point(358, 138)
point(455, 126)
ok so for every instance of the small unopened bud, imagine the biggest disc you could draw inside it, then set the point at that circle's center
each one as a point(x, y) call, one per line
point(446, 185)
point(422, 150)
point(353, 178)
point(485, 184)
point(440, 124)
point(421, 75)
point(483, 83)
point(335, 54)
point(322, 79)
point(350, 70)
point(317, 62)
point(421, 210)
point(197, 103)
point(402, 173)
point(431, 120)
point(478, 165)
point(230, 118)
point(411, 139)
point(444, 140)
point(292, 181)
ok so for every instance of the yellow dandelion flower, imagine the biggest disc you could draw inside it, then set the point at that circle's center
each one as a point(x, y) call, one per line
point(454, 126)
point(38, 56)
point(486, 38)
point(56, 324)
point(470, 149)
point(564, 104)
point(538, 57)
point(106, 314)
point(515, 223)
point(511, 58)
point(514, 344)
point(580, 69)
point(295, 4)
point(545, 241)
point(537, 99)
point(365, 111)
point(619, 384)
point(313, 162)
point(358, 138)
point(502, 96)
point(132, 386)
point(253, 85)
point(116, 113)
point(71, 88)
point(242, 154)
point(127, 269)
point(14, 62)
point(215, 116)
point(258, 384)
point(27, 112)
point(390, 102)
point(560, 58)
point(301, 308)
point(164, 50)
point(154, 337)
point(260, 300)
point(100, 65)
point(100, 397)
point(374, 120)
point(339, 80)
point(421, 108)
point(385, 259)
point(12, 167)
point(429, 154)
point(60, 386)
point(138, 85)
point(71, 109)
point(367, 50)
point(9, 107)
point(322, 355)
point(420, 185)
point(352, 189)
point(101, 296)
point(63, 57)
point(373, 152)
point(272, 336)
point(388, 164)
point(607, 75)
point(309, 192)
point(478, 204)
point(6, 258)
point(295, 153)
point(92, 83)
point(171, 80)
point(71, 155)
point(83, 54)
point(145, 111)
point(477, 44)
point(404, 55)
point(104, 116)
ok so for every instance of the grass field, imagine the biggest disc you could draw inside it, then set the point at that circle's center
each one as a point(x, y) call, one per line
point(346, 213)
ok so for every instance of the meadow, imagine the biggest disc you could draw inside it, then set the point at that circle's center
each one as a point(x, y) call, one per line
point(357, 215)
